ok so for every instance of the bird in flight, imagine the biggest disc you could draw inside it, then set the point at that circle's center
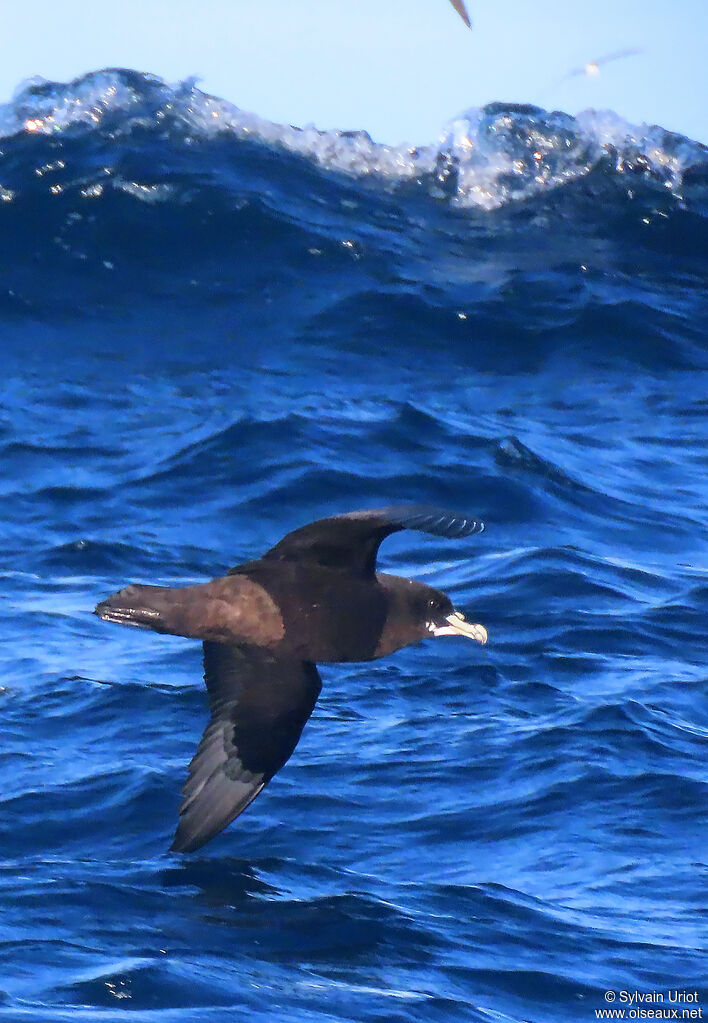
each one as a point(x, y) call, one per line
point(592, 68)
point(314, 597)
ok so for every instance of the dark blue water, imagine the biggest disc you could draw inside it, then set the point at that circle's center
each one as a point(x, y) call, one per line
point(215, 330)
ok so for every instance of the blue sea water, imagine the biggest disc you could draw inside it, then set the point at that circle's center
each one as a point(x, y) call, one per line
point(216, 329)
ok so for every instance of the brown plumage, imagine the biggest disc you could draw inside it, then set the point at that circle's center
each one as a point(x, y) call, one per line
point(315, 596)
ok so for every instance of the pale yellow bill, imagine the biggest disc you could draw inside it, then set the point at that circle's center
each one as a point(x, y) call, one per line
point(458, 626)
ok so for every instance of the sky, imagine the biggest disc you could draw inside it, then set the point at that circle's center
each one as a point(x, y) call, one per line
point(397, 68)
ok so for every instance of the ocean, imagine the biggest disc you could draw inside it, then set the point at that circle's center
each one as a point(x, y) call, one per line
point(216, 329)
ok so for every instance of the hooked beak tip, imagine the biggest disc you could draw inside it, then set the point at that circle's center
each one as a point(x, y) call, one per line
point(459, 626)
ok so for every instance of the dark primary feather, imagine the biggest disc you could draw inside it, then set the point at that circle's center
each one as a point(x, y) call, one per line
point(259, 705)
point(350, 543)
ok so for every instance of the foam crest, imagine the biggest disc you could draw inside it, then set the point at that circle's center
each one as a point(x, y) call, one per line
point(485, 157)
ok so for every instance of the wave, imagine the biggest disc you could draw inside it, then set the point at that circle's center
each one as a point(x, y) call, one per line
point(485, 157)
point(216, 329)
point(118, 190)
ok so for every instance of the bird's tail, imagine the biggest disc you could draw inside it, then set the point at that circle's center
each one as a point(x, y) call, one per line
point(145, 607)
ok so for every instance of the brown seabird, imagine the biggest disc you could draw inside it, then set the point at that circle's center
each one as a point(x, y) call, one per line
point(315, 596)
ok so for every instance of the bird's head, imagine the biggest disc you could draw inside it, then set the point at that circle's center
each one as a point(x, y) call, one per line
point(417, 611)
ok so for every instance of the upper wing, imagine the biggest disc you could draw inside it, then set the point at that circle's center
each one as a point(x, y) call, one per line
point(593, 66)
point(259, 706)
point(462, 11)
point(350, 542)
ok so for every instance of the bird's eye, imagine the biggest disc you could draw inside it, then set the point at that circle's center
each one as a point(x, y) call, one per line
point(432, 603)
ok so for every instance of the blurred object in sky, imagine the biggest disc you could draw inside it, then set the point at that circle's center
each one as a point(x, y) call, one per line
point(462, 11)
point(592, 68)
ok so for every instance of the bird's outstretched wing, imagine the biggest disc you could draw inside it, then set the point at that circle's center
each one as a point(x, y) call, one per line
point(259, 705)
point(462, 11)
point(592, 67)
point(350, 543)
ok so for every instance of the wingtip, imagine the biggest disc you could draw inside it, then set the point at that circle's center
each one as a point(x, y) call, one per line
point(436, 521)
point(461, 9)
point(182, 844)
point(188, 839)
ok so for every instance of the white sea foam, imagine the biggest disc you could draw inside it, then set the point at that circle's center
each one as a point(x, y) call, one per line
point(484, 157)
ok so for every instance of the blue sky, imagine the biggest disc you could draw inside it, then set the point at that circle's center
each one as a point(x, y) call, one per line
point(398, 68)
